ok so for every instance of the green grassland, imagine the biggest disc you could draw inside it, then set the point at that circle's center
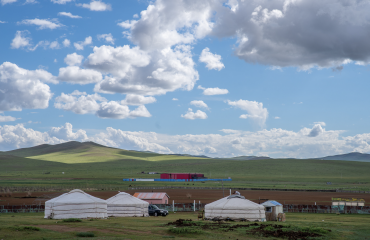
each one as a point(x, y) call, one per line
point(90, 164)
point(34, 226)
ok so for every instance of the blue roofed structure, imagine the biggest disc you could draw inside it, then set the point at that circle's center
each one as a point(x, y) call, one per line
point(272, 209)
point(271, 203)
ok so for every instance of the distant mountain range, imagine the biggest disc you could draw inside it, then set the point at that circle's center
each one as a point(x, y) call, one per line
point(353, 156)
point(87, 146)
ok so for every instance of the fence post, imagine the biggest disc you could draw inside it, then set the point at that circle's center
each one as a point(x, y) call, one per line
point(173, 205)
point(194, 205)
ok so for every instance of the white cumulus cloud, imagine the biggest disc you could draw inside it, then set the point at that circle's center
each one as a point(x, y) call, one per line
point(316, 131)
point(77, 75)
point(96, 6)
point(194, 115)
point(306, 29)
point(7, 118)
point(255, 110)
point(66, 133)
point(82, 103)
point(81, 44)
point(212, 61)
point(133, 71)
point(31, 2)
point(167, 23)
point(66, 43)
point(129, 140)
point(73, 59)
point(68, 14)
point(213, 91)
point(199, 103)
point(20, 40)
point(3, 2)
point(115, 110)
point(42, 23)
point(107, 37)
point(61, 1)
point(277, 143)
point(132, 99)
point(21, 88)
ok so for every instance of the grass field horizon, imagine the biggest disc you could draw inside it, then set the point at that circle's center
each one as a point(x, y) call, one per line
point(89, 164)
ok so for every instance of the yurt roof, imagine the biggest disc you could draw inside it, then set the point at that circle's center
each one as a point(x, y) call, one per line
point(234, 201)
point(122, 198)
point(271, 203)
point(76, 196)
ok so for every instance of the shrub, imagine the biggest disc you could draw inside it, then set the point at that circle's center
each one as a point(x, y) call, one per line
point(269, 228)
point(316, 230)
point(72, 220)
point(85, 234)
point(26, 228)
point(185, 230)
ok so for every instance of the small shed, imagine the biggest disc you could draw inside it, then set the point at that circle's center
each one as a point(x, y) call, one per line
point(348, 202)
point(272, 209)
point(153, 197)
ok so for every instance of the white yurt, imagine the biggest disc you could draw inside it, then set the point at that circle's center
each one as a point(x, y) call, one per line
point(75, 204)
point(125, 205)
point(235, 207)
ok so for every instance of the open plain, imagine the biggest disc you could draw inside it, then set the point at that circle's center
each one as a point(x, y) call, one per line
point(205, 196)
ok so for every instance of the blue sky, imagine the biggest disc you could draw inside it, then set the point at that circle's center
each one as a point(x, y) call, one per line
point(220, 78)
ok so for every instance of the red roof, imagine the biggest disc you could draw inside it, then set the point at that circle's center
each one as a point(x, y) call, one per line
point(150, 195)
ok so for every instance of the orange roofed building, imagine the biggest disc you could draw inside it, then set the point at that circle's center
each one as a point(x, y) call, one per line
point(153, 197)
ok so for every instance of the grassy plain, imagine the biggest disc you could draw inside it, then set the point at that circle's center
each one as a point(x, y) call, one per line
point(342, 226)
point(92, 165)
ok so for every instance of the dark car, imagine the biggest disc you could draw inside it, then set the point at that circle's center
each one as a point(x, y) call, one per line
point(155, 211)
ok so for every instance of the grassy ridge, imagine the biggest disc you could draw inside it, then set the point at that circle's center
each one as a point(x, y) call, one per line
point(90, 163)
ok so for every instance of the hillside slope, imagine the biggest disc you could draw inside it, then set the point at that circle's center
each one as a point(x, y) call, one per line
point(353, 156)
point(87, 152)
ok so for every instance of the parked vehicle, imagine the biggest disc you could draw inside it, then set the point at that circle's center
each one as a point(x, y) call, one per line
point(155, 211)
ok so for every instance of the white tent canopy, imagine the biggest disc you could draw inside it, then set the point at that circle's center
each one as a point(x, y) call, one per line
point(235, 207)
point(75, 204)
point(125, 205)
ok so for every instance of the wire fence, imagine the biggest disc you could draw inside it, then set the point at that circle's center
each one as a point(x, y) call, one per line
point(326, 209)
point(22, 208)
point(263, 189)
point(12, 189)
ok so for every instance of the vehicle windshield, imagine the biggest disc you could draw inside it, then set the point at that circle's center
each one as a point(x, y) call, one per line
point(155, 207)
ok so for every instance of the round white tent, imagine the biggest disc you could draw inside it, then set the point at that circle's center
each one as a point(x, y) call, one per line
point(235, 207)
point(75, 204)
point(125, 205)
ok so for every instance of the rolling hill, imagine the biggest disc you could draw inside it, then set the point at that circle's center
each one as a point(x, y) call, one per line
point(91, 164)
point(354, 156)
point(87, 152)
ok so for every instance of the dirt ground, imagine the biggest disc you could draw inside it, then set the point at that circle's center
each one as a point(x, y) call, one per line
point(204, 196)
